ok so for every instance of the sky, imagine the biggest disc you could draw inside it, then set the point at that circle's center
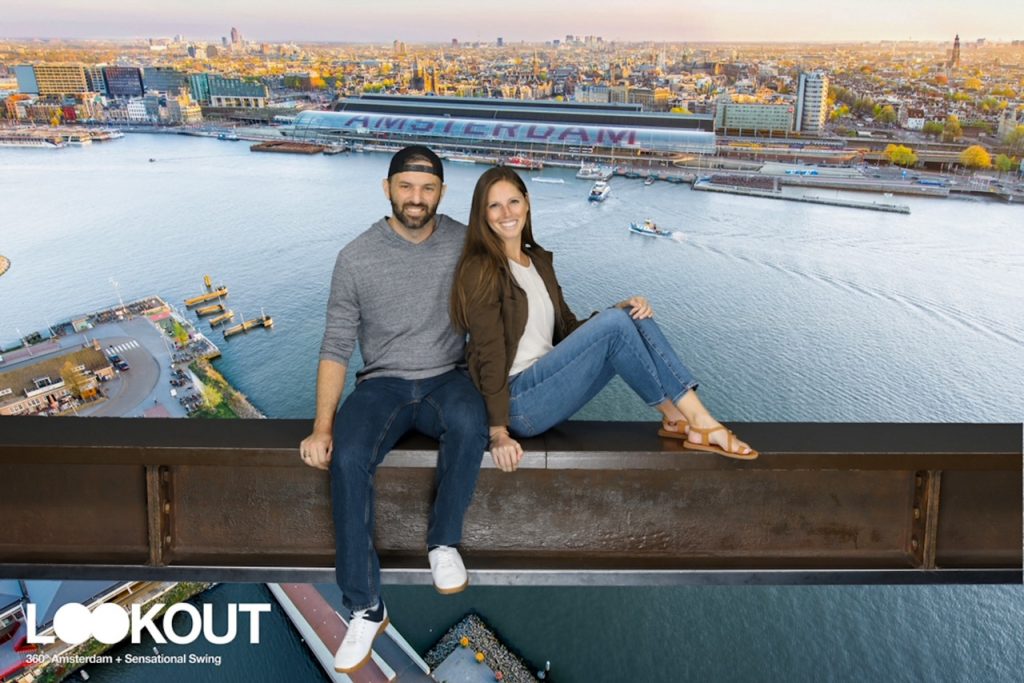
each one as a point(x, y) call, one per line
point(412, 21)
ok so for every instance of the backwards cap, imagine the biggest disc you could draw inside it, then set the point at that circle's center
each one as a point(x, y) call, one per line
point(416, 159)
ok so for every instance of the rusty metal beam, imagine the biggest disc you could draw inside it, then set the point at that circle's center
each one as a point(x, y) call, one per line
point(593, 503)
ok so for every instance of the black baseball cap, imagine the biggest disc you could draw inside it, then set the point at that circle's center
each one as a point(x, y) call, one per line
point(418, 159)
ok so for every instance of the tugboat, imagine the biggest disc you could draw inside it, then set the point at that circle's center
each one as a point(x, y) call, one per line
point(649, 229)
point(599, 192)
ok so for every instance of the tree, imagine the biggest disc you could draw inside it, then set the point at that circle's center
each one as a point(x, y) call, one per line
point(972, 83)
point(976, 156)
point(180, 333)
point(887, 115)
point(1015, 138)
point(679, 110)
point(212, 396)
point(900, 155)
point(73, 379)
point(932, 128)
point(952, 130)
point(1004, 164)
point(841, 111)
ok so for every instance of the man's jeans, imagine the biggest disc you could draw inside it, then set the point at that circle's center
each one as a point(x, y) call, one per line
point(371, 420)
point(611, 343)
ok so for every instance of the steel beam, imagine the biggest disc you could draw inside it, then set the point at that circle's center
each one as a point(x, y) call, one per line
point(592, 504)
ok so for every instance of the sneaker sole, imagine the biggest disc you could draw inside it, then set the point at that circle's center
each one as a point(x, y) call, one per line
point(451, 591)
point(369, 655)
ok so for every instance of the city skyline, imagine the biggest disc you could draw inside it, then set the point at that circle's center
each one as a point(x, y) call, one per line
point(528, 20)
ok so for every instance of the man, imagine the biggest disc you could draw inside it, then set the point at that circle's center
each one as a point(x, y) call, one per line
point(390, 290)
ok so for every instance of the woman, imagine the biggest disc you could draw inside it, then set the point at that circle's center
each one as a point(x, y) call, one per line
point(533, 361)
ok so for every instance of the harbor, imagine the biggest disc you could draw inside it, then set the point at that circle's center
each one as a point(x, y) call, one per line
point(738, 259)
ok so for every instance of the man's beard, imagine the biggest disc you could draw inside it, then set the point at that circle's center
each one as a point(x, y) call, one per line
point(411, 223)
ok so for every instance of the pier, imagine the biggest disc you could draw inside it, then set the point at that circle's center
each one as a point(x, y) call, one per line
point(209, 296)
point(705, 186)
point(264, 321)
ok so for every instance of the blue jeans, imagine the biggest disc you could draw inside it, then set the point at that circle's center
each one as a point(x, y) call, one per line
point(611, 343)
point(371, 420)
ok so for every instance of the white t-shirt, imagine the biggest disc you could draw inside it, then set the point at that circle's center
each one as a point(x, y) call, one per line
point(540, 321)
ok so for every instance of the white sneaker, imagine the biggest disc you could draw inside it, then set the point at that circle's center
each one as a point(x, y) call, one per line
point(447, 569)
point(357, 646)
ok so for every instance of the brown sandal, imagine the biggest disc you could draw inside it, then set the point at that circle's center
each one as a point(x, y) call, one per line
point(706, 445)
point(680, 431)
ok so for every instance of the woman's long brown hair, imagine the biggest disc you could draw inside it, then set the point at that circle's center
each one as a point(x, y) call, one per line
point(483, 248)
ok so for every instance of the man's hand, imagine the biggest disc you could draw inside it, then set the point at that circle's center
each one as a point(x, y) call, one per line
point(505, 450)
point(316, 448)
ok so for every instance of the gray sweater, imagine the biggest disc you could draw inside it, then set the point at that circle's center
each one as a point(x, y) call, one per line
point(393, 295)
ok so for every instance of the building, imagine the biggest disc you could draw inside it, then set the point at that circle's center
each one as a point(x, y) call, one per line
point(235, 92)
point(181, 109)
point(123, 81)
point(541, 128)
point(199, 86)
point(48, 385)
point(60, 79)
point(754, 118)
point(137, 111)
point(95, 80)
point(811, 103)
point(26, 76)
point(164, 79)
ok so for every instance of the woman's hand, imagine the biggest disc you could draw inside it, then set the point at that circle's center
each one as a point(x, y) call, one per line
point(505, 450)
point(641, 308)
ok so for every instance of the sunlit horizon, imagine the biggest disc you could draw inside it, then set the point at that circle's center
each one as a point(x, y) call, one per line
point(533, 21)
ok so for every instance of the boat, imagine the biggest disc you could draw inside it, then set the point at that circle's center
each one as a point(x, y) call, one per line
point(461, 158)
point(231, 137)
point(593, 172)
point(203, 298)
point(649, 228)
point(649, 180)
point(599, 192)
point(538, 179)
point(30, 140)
point(222, 318)
point(524, 162)
point(210, 310)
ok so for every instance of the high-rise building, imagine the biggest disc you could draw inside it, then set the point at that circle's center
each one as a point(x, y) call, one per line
point(26, 75)
point(501, 42)
point(123, 81)
point(235, 92)
point(95, 80)
point(60, 79)
point(811, 103)
point(163, 79)
point(236, 37)
point(954, 56)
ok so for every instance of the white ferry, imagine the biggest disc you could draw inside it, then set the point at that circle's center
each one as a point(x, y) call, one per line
point(599, 192)
point(28, 140)
point(593, 172)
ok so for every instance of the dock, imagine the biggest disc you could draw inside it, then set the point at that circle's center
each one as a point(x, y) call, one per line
point(222, 318)
point(209, 296)
point(288, 147)
point(264, 321)
point(705, 186)
point(210, 310)
point(322, 621)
